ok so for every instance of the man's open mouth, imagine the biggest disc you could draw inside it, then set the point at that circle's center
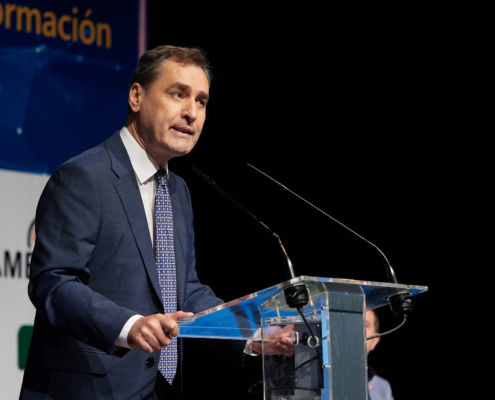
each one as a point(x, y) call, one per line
point(183, 130)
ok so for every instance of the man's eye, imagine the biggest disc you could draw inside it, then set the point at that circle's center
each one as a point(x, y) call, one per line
point(202, 103)
point(177, 94)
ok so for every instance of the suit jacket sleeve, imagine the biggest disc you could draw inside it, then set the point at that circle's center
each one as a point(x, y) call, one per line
point(67, 222)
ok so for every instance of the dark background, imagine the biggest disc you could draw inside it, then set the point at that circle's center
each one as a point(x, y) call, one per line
point(370, 112)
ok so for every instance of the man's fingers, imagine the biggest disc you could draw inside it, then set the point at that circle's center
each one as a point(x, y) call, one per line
point(142, 344)
point(283, 346)
point(155, 336)
point(148, 333)
point(139, 342)
point(286, 350)
point(287, 341)
point(168, 322)
point(168, 325)
point(155, 331)
point(179, 315)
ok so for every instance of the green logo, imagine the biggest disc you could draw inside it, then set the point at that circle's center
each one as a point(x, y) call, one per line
point(23, 342)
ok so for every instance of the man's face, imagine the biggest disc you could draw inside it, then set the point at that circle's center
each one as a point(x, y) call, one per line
point(172, 111)
point(370, 331)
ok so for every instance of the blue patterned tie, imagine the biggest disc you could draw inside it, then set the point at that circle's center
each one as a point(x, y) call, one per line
point(165, 264)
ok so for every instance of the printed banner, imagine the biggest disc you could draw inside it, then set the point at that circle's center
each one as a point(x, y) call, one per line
point(20, 194)
point(65, 68)
point(64, 72)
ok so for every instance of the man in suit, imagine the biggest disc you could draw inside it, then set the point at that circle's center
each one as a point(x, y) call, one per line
point(378, 387)
point(114, 260)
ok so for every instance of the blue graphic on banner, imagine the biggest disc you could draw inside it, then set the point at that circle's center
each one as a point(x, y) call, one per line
point(64, 74)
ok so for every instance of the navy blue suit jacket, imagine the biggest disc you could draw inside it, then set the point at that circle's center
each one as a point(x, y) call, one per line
point(92, 268)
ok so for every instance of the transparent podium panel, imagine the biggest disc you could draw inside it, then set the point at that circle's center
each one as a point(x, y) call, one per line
point(329, 360)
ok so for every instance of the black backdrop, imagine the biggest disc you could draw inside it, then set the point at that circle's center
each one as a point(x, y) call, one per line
point(360, 111)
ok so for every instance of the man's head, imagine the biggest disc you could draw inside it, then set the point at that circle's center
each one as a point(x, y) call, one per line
point(372, 328)
point(167, 101)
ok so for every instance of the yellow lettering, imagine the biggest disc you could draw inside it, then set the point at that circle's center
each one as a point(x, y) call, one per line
point(108, 35)
point(8, 11)
point(74, 29)
point(50, 24)
point(75, 10)
point(61, 32)
point(29, 19)
point(46, 23)
point(82, 32)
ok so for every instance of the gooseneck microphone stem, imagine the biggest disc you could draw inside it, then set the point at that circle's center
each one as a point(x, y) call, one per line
point(288, 263)
point(390, 271)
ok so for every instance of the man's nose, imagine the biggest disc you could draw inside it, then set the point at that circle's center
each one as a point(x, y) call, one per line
point(189, 110)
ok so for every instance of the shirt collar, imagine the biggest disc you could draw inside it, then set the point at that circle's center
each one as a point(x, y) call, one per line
point(143, 164)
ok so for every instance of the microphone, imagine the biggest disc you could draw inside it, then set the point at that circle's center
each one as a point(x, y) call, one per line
point(288, 262)
point(296, 295)
point(399, 303)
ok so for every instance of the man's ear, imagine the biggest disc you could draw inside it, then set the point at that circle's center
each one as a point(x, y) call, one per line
point(135, 96)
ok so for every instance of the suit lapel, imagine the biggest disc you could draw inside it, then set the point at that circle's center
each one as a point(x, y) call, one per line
point(128, 191)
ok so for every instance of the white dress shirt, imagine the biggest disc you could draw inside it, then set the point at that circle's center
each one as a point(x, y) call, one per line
point(145, 168)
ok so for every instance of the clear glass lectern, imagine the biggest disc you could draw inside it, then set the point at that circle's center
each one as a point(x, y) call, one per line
point(330, 366)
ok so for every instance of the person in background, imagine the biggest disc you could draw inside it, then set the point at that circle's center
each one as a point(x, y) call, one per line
point(379, 388)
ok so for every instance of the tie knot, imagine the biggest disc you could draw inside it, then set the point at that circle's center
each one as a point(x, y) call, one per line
point(161, 177)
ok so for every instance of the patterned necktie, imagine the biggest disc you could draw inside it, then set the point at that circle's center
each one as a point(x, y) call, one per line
point(165, 264)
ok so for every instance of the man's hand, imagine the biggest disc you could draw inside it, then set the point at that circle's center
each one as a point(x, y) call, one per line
point(155, 331)
point(279, 342)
